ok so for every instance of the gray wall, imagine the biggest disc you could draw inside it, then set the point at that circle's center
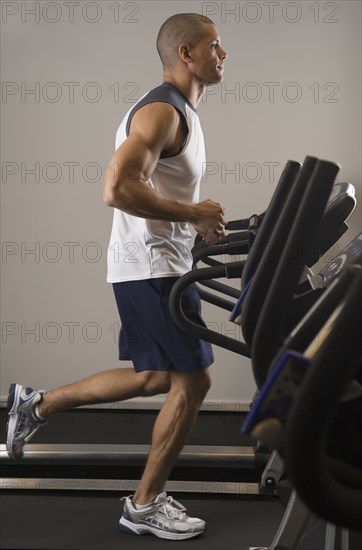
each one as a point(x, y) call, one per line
point(292, 87)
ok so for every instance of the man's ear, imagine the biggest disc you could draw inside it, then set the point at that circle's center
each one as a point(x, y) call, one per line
point(185, 53)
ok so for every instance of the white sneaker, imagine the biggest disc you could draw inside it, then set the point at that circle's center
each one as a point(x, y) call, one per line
point(22, 422)
point(165, 518)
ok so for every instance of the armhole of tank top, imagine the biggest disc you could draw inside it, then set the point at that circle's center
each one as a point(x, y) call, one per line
point(177, 102)
point(182, 116)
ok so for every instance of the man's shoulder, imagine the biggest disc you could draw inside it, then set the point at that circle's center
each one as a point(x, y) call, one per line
point(164, 93)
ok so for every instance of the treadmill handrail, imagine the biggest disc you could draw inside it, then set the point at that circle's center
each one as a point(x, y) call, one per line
point(204, 333)
point(286, 183)
point(214, 299)
point(221, 287)
point(310, 325)
point(280, 292)
point(311, 417)
point(269, 244)
point(232, 248)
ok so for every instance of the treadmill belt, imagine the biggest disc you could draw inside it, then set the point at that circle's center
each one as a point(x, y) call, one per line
point(89, 521)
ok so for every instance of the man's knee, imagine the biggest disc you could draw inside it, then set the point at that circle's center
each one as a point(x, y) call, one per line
point(206, 381)
point(155, 382)
point(195, 385)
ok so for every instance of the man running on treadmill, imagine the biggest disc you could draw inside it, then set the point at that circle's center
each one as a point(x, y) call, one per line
point(153, 183)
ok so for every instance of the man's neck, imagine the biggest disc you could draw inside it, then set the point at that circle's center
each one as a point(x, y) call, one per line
point(192, 90)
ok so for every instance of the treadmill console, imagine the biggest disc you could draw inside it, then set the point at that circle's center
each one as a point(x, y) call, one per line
point(348, 255)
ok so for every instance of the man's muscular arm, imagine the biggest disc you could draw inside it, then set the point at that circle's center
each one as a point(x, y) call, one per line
point(155, 129)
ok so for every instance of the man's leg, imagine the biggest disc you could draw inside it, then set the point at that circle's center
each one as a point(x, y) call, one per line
point(172, 427)
point(29, 409)
point(104, 387)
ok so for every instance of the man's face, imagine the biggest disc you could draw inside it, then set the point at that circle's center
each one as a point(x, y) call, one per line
point(208, 57)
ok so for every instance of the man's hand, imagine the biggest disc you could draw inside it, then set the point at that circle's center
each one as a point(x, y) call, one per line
point(209, 221)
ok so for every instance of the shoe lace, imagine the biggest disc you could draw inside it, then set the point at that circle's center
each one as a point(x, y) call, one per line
point(172, 509)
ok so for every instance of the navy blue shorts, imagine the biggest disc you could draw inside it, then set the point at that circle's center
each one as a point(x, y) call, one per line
point(149, 337)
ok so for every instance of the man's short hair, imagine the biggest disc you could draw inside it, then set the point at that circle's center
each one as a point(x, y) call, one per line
point(182, 28)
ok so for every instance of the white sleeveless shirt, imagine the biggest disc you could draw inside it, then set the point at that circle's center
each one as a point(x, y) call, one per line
point(145, 249)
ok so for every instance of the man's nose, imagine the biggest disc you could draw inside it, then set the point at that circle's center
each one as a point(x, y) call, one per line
point(222, 54)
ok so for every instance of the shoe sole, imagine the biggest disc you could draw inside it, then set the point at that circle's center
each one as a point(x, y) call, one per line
point(134, 529)
point(13, 417)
